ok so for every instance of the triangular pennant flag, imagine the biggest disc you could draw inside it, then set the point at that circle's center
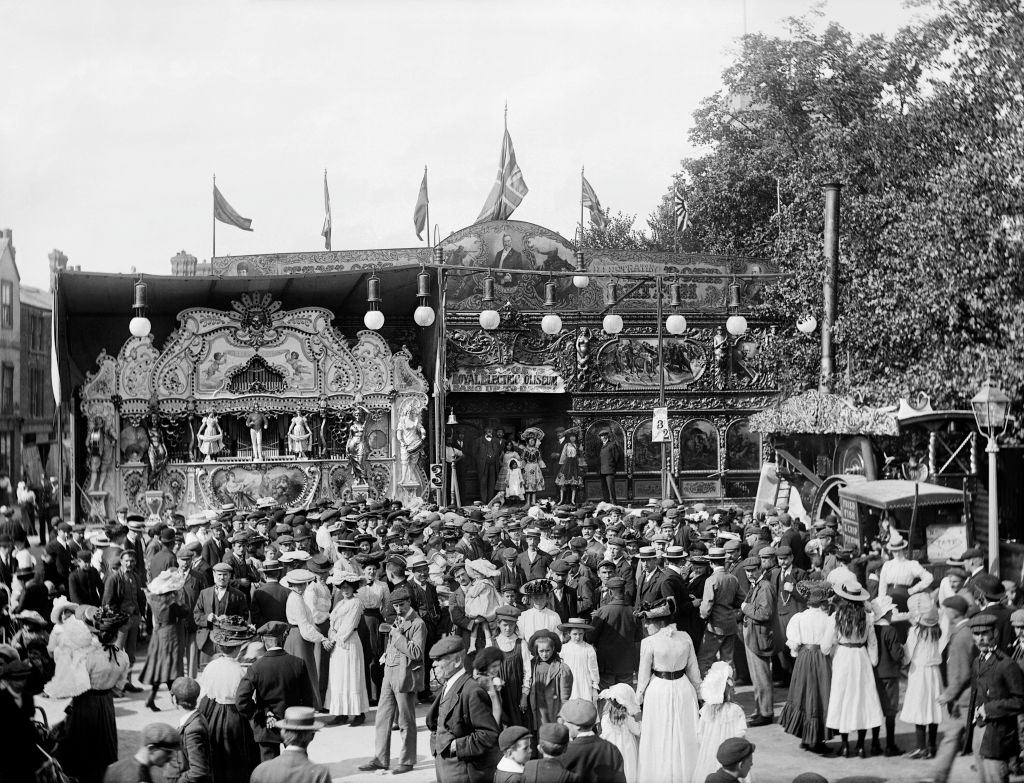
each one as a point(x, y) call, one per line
point(326, 231)
point(419, 214)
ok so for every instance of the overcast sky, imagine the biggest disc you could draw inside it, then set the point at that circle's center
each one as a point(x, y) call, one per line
point(116, 114)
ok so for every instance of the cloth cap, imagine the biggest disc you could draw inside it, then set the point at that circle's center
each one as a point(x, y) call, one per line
point(783, 551)
point(448, 645)
point(751, 563)
point(981, 622)
point(581, 712)
point(222, 567)
point(555, 733)
point(972, 553)
point(959, 603)
point(161, 735)
point(272, 628)
point(511, 736)
point(616, 583)
point(400, 594)
point(733, 750)
point(1017, 618)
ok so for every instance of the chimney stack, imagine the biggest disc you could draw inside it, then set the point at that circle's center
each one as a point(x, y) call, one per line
point(58, 264)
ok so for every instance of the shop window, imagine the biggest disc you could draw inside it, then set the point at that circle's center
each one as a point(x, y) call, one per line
point(7, 304)
point(698, 447)
point(7, 389)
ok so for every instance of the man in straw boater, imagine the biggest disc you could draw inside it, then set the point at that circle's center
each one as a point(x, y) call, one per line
point(298, 727)
point(403, 679)
point(273, 683)
point(463, 732)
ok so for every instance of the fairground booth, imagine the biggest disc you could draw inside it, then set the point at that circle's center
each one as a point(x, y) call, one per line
point(300, 376)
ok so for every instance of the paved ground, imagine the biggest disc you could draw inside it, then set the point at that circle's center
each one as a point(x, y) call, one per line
point(778, 758)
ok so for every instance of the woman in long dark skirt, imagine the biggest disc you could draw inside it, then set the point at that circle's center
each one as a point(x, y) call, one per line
point(164, 662)
point(807, 706)
point(89, 737)
point(233, 751)
point(376, 597)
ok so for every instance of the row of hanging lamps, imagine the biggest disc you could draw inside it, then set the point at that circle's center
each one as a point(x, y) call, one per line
point(140, 325)
point(424, 314)
point(612, 323)
point(581, 281)
point(674, 323)
point(489, 317)
point(373, 318)
point(736, 324)
point(551, 323)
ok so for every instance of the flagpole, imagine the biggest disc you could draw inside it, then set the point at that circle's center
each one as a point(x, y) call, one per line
point(428, 206)
point(214, 253)
point(581, 207)
point(504, 165)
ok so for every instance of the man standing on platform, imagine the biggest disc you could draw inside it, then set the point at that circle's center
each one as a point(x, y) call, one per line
point(488, 460)
point(609, 460)
point(463, 732)
point(403, 679)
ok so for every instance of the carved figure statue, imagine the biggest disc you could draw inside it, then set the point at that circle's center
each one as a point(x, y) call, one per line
point(357, 448)
point(210, 437)
point(299, 437)
point(97, 447)
point(720, 344)
point(157, 454)
point(583, 339)
point(256, 422)
point(411, 435)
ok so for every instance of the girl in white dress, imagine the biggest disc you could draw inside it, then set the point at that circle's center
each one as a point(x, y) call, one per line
point(853, 699)
point(514, 488)
point(720, 719)
point(921, 705)
point(667, 688)
point(581, 658)
point(346, 679)
point(619, 726)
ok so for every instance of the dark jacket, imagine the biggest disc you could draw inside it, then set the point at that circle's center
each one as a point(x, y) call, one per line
point(614, 637)
point(759, 619)
point(648, 589)
point(273, 683)
point(292, 766)
point(268, 603)
point(999, 686)
point(85, 586)
point(566, 606)
point(890, 652)
point(610, 457)
point(161, 561)
point(19, 765)
point(792, 538)
point(193, 758)
point(593, 758)
point(232, 603)
point(538, 569)
point(121, 591)
point(463, 715)
point(548, 771)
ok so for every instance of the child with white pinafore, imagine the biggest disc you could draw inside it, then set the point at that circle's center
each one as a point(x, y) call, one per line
point(921, 705)
point(581, 658)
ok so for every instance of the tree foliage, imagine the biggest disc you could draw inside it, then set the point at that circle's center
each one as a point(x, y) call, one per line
point(925, 132)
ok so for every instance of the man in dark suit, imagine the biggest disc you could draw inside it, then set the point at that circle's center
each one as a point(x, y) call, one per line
point(272, 684)
point(615, 635)
point(63, 559)
point(271, 597)
point(488, 461)
point(133, 541)
point(791, 537)
point(508, 257)
point(84, 584)
point(785, 579)
point(293, 766)
point(193, 762)
point(164, 557)
point(648, 587)
point(7, 562)
point(759, 639)
point(999, 685)
point(214, 602)
point(533, 562)
point(123, 592)
point(623, 564)
point(463, 732)
point(609, 459)
point(511, 573)
point(403, 679)
point(213, 547)
point(563, 598)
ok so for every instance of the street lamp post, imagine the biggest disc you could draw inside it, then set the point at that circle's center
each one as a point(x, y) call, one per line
point(990, 408)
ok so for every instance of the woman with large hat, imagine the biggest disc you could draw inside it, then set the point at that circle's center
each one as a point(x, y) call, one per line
point(90, 738)
point(233, 750)
point(346, 682)
point(164, 658)
point(533, 464)
point(853, 699)
point(805, 710)
point(667, 685)
point(569, 477)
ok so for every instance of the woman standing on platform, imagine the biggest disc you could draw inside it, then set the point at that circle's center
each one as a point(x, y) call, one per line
point(667, 686)
point(569, 478)
point(346, 682)
point(533, 464)
point(853, 700)
point(233, 750)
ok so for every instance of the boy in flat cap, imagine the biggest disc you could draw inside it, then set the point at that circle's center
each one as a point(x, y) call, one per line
point(999, 691)
point(514, 744)
point(159, 742)
point(553, 740)
point(588, 756)
point(736, 755)
point(463, 732)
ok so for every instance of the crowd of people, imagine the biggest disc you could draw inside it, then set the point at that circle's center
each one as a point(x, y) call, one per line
point(598, 643)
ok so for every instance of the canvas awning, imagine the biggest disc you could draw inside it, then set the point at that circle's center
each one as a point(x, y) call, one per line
point(889, 494)
point(92, 309)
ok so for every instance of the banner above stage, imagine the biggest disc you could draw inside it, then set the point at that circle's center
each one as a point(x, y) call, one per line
point(519, 378)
